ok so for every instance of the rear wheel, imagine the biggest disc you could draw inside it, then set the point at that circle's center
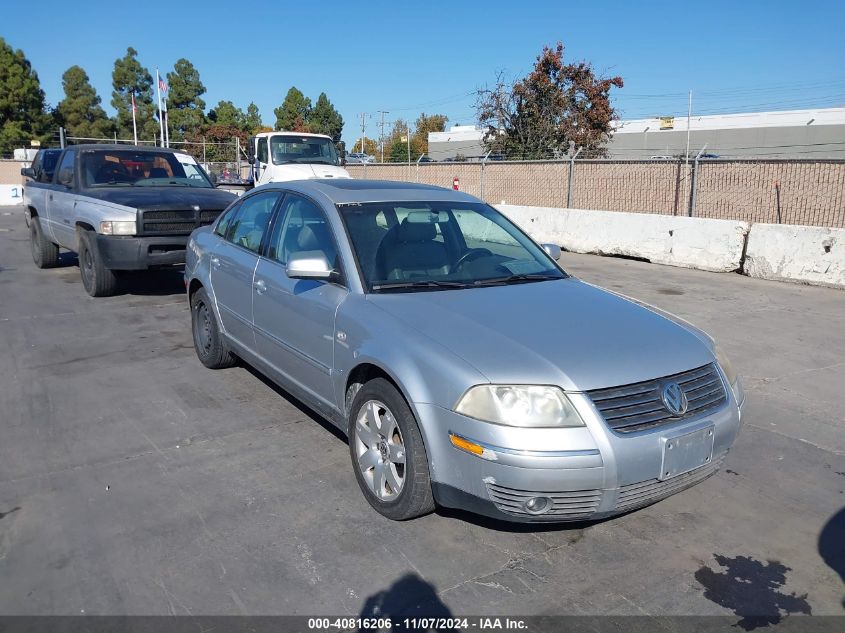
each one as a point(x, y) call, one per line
point(388, 454)
point(45, 254)
point(98, 280)
point(208, 341)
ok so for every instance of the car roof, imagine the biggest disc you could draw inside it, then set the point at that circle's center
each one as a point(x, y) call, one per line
point(292, 133)
point(349, 190)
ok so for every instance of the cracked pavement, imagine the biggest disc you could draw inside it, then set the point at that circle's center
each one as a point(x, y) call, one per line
point(134, 481)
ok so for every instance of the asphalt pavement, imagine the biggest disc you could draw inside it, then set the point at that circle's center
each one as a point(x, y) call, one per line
point(135, 481)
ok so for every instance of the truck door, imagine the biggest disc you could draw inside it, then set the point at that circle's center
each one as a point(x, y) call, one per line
point(262, 160)
point(60, 202)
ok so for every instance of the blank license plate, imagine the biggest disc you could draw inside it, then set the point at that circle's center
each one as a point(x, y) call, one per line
point(687, 452)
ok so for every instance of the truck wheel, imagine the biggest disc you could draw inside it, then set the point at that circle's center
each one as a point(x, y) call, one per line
point(98, 280)
point(45, 254)
point(387, 451)
point(211, 350)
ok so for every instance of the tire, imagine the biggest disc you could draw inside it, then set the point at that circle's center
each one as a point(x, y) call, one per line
point(208, 341)
point(382, 433)
point(98, 280)
point(45, 254)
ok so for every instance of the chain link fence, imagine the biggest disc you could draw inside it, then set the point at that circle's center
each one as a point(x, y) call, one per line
point(785, 191)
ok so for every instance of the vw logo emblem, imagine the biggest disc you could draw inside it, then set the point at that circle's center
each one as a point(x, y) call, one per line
point(674, 398)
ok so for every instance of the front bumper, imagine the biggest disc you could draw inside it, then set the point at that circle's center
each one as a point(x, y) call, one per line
point(586, 473)
point(141, 253)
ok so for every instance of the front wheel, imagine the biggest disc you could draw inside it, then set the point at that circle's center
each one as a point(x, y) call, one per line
point(98, 280)
point(388, 454)
point(208, 341)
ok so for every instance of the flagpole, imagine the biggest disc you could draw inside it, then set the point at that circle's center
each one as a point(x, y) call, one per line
point(160, 120)
point(134, 124)
point(166, 126)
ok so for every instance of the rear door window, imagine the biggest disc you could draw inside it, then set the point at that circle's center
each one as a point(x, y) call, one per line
point(249, 225)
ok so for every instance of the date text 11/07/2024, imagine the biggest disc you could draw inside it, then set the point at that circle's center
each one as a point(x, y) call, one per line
point(417, 624)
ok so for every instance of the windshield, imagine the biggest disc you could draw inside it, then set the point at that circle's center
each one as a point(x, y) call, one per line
point(133, 168)
point(412, 246)
point(289, 148)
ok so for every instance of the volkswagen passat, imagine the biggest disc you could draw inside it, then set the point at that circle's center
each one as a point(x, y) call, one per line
point(465, 366)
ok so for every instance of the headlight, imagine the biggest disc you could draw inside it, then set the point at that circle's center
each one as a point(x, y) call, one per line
point(519, 405)
point(726, 366)
point(117, 228)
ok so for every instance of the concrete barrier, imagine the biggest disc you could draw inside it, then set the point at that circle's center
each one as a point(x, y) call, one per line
point(714, 245)
point(805, 254)
point(11, 194)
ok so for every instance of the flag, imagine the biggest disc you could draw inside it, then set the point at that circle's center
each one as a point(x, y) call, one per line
point(161, 85)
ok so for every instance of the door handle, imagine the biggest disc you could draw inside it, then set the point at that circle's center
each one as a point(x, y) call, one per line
point(215, 262)
point(51, 196)
point(260, 286)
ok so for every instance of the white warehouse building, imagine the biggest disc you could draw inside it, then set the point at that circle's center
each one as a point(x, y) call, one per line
point(813, 133)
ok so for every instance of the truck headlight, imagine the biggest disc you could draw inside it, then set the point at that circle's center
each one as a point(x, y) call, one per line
point(519, 405)
point(118, 228)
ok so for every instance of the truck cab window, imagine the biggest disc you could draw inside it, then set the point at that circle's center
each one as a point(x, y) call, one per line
point(262, 150)
point(64, 175)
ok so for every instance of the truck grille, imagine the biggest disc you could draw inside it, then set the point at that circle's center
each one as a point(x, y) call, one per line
point(638, 406)
point(174, 222)
point(646, 492)
point(566, 506)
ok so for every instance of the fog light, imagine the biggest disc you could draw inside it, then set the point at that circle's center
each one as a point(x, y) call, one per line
point(537, 505)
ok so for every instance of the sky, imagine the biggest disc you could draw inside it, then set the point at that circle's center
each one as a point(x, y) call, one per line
point(431, 56)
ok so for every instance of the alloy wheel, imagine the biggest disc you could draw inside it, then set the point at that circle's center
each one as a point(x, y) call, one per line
point(380, 450)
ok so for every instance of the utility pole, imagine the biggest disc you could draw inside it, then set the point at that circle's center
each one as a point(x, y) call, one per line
point(689, 117)
point(381, 137)
point(363, 116)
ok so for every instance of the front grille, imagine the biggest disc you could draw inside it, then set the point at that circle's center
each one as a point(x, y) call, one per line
point(646, 492)
point(567, 506)
point(174, 222)
point(638, 406)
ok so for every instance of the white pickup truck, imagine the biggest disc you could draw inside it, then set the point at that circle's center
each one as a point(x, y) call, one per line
point(120, 207)
point(281, 156)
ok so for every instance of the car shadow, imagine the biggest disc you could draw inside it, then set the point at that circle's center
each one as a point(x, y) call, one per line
point(832, 545)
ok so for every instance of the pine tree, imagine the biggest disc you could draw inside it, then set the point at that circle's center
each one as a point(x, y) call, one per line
point(185, 108)
point(293, 114)
point(22, 111)
point(80, 111)
point(252, 120)
point(324, 119)
point(128, 78)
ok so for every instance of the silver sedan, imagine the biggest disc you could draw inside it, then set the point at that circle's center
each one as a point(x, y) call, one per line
point(466, 367)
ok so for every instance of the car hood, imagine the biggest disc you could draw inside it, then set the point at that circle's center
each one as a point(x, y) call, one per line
point(564, 332)
point(307, 171)
point(163, 197)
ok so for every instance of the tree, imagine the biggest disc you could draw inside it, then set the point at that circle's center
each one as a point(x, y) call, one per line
point(130, 78)
point(370, 147)
point(554, 105)
point(293, 114)
point(80, 111)
point(426, 124)
point(185, 107)
point(324, 119)
point(227, 114)
point(252, 120)
point(22, 111)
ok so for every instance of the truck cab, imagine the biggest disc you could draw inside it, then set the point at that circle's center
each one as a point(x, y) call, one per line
point(281, 156)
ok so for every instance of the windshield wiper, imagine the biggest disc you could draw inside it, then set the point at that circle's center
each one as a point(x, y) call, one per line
point(420, 285)
point(518, 278)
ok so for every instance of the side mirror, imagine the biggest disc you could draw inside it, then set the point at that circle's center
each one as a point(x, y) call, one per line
point(309, 265)
point(65, 177)
point(552, 250)
point(250, 154)
point(28, 172)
